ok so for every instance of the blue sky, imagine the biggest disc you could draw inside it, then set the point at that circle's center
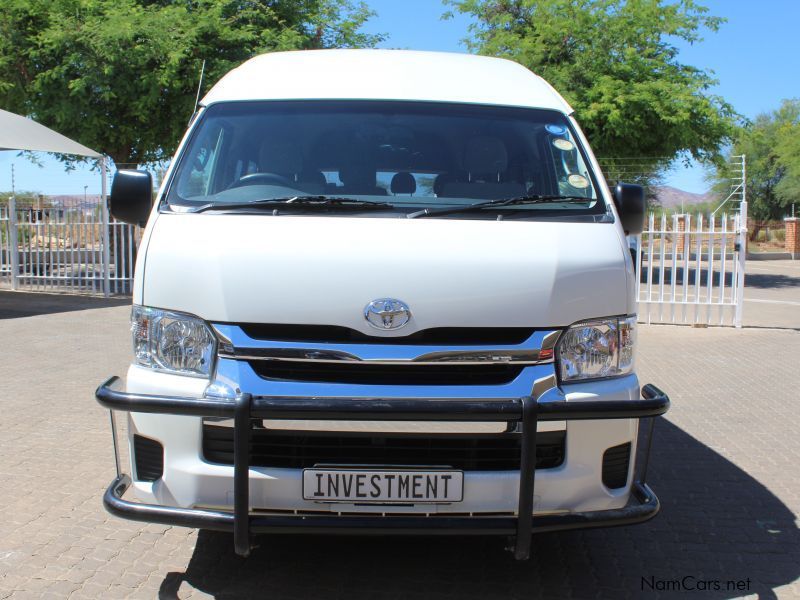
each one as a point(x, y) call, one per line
point(755, 57)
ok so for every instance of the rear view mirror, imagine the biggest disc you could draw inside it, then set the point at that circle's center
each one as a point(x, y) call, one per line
point(131, 196)
point(631, 205)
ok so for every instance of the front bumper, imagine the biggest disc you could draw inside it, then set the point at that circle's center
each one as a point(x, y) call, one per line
point(545, 404)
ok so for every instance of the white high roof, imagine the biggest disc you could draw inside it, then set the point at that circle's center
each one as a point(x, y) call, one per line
point(386, 75)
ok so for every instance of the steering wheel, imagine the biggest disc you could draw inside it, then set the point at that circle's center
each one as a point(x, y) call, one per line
point(263, 179)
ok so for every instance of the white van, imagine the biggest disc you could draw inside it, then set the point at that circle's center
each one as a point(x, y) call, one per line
point(382, 291)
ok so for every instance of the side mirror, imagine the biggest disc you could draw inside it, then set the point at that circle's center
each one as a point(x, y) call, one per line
point(131, 196)
point(631, 205)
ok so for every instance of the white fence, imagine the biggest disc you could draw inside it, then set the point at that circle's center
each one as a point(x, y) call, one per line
point(66, 249)
point(691, 269)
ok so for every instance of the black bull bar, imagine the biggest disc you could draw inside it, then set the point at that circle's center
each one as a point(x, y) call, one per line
point(546, 404)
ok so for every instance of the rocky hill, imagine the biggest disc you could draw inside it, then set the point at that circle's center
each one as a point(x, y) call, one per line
point(670, 197)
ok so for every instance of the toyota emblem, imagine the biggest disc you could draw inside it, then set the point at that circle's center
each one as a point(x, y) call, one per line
point(387, 313)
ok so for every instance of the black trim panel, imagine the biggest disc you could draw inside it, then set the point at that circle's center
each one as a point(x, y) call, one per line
point(616, 461)
point(436, 336)
point(148, 456)
point(364, 373)
point(282, 449)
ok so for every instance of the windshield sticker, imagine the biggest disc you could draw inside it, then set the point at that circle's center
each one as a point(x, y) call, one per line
point(563, 144)
point(578, 181)
point(555, 129)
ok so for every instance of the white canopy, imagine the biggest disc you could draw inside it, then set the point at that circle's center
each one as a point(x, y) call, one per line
point(19, 133)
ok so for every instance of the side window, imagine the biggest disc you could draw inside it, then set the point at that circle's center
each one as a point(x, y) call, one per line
point(198, 179)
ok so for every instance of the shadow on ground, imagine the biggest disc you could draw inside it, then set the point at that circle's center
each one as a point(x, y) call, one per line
point(771, 281)
point(14, 305)
point(717, 524)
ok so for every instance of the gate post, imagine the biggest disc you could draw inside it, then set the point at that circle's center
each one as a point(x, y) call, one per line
point(681, 234)
point(13, 244)
point(792, 236)
point(106, 230)
point(737, 318)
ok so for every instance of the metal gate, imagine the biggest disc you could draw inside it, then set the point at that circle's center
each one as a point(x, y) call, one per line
point(66, 249)
point(5, 245)
point(691, 269)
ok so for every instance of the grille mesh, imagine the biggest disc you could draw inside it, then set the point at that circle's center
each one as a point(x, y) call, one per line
point(149, 458)
point(298, 450)
point(616, 461)
point(366, 374)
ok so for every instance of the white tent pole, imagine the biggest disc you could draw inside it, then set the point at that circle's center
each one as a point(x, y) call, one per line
point(13, 244)
point(106, 228)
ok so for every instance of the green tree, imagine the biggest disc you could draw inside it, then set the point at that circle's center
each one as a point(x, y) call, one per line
point(788, 153)
point(771, 143)
point(120, 76)
point(615, 62)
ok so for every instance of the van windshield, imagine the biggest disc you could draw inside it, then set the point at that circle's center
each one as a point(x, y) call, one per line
point(409, 155)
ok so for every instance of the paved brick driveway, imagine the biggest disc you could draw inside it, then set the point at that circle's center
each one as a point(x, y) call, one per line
point(727, 469)
point(772, 293)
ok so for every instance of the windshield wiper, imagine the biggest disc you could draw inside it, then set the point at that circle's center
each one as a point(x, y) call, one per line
point(296, 201)
point(500, 202)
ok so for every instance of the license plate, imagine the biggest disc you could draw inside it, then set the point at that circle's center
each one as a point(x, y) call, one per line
point(382, 486)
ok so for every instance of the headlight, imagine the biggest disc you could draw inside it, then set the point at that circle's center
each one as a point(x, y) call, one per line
point(596, 349)
point(172, 341)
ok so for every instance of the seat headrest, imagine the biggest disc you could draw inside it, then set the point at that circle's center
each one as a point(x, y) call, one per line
point(280, 158)
point(403, 183)
point(485, 154)
point(356, 174)
point(441, 180)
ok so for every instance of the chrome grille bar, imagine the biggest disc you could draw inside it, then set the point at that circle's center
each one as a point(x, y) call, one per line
point(236, 344)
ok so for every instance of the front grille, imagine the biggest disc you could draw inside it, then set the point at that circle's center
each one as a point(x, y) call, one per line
point(439, 336)
point(149, 458)
point(616, 461)
point(369, 374)
point(301, 449)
